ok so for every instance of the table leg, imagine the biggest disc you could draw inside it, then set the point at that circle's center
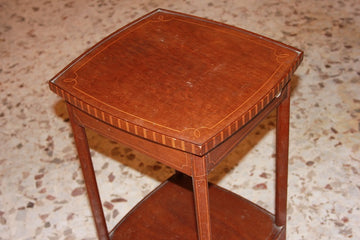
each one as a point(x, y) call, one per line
point(282, 151)
point(89, 175)
point(201, 195)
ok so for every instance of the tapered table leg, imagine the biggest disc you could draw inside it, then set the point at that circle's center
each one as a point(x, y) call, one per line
point(89, 175)
point(201, 195)
point(282, 150)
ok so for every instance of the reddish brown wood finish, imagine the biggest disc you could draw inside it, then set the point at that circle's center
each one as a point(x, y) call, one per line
point(89, 175)
point(201, 195)
point(185, 91)
point(282, 149)
point(164, 76)
point(169, 213)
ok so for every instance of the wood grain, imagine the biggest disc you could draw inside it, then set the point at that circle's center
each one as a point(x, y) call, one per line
point(185, 91)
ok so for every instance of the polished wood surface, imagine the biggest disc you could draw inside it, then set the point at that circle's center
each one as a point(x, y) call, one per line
point(168, 213)
point(164, 76)
point(185, 91)
point(190, 164)
point(282, 154)
point(89, 174)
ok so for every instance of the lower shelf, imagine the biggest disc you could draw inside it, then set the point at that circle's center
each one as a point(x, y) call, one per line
point(169, 213)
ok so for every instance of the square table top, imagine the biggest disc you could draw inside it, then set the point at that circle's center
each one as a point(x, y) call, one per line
point(178, 80)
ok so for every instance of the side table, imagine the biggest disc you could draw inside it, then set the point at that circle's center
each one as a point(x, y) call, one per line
point(185, 91)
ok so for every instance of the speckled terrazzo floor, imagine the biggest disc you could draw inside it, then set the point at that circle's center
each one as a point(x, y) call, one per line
point(41, 188)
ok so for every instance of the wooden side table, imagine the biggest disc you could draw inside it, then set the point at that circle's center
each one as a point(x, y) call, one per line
point(185, 91)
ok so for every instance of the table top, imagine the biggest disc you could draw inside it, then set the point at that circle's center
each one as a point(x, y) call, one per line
point(178, 80)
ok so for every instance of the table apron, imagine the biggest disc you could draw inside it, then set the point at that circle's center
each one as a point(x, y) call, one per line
point(216, 155)
point(174, 158)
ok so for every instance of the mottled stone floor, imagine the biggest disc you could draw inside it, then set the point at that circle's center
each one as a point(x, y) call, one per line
point(41, 187)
